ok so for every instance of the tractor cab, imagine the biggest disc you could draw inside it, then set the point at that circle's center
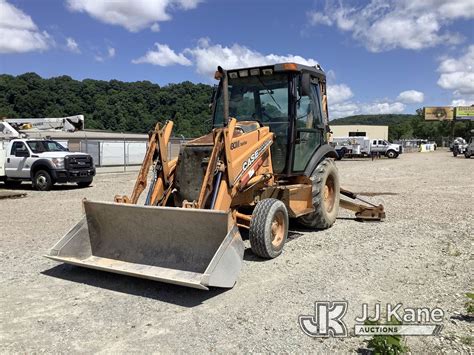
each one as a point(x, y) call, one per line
point(288, 98)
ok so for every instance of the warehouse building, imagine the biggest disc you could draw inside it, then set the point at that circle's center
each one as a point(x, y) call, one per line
point(369, 131)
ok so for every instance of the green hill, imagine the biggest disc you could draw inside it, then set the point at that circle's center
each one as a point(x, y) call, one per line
point(111, 105)
point(383, 120)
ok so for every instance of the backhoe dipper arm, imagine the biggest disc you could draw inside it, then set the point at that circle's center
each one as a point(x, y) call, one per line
point(362, 212)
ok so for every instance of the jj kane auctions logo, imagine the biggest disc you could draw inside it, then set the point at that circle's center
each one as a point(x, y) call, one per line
point(327, 320)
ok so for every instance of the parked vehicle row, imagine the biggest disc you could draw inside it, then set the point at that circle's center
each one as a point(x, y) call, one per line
point(363, 146)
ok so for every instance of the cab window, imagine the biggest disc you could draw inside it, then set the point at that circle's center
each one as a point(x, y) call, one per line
point(17, 147)
point(309, 136)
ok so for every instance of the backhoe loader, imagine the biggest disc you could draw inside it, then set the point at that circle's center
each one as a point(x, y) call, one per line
point(265, 161)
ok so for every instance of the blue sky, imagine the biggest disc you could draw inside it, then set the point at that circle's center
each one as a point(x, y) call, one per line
point(380, 56)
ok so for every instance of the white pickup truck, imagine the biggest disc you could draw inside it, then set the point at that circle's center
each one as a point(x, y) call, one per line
point(363, 146)
point(44, 162)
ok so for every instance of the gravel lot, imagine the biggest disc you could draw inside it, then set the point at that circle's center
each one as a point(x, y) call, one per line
point(422, 255)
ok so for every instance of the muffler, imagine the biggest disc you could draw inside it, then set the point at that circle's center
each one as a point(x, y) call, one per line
point(189, 247)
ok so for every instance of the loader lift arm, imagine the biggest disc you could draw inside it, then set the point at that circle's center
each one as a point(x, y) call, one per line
point(156, 155)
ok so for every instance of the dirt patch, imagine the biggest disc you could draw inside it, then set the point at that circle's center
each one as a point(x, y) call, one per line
point(4, 194)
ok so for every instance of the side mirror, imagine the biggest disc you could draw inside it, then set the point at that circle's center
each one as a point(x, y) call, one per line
point(22, 153)
point(305, 84)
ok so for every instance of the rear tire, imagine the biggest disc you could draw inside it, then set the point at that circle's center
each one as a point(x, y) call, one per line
point(42, 181)
point(83, 184)
point(326, 194)
point(268, 228)
point(467, 155)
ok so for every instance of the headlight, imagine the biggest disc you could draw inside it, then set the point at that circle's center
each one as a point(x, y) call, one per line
point(59, 162)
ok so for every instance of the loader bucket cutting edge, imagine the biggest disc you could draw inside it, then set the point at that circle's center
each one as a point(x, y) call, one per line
point(189, 247)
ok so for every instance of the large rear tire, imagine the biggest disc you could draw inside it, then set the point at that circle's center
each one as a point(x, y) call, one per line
point(326, 194)
point(268, 228)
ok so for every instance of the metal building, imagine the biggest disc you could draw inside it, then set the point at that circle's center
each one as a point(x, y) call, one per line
point(369, 131)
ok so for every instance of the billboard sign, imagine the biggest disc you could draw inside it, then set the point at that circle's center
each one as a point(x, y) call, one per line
point(440, 113)
point(465, 113)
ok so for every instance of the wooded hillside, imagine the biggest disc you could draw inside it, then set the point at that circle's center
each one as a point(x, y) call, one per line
point(112, 105)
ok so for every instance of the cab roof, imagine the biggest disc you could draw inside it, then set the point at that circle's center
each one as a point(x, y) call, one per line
point(316, 70)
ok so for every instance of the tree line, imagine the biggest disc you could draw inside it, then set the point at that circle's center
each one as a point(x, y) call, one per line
point(137, 106)
point(109, 105)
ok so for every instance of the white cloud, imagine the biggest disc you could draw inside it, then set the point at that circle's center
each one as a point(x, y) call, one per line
point(411, 97)
point(382, 108)
point(318, 18)
point(339, 93)
point(385, 25)
point(163, 56)
point(102, 57)
point(208, 56)
point(72, 45)
point(134, 15)
point(369, 108)
point(463, 102)
point(18, 32)
point(457, 74)
point(342, 110)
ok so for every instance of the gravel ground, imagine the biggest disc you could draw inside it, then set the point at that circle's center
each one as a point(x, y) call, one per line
point(422, 255)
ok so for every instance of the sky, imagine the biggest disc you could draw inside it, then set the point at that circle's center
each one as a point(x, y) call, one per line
point(380, 56)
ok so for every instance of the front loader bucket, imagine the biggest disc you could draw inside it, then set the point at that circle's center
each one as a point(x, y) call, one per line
point(190, 247)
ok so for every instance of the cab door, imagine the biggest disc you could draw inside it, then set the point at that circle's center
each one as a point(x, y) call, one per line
point(309, 128)
point(16, 164)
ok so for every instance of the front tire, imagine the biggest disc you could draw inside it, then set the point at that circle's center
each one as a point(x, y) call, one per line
point(268, 228)
point(467, 155)
point(326, 194)
point(391, 154)
point(42, 181)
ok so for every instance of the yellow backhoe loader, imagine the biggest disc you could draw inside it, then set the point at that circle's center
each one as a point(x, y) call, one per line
point(266, 160)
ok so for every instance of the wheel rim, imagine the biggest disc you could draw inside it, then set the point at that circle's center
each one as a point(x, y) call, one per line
point(278, 229)
point(329, 194)
point(41, 181)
